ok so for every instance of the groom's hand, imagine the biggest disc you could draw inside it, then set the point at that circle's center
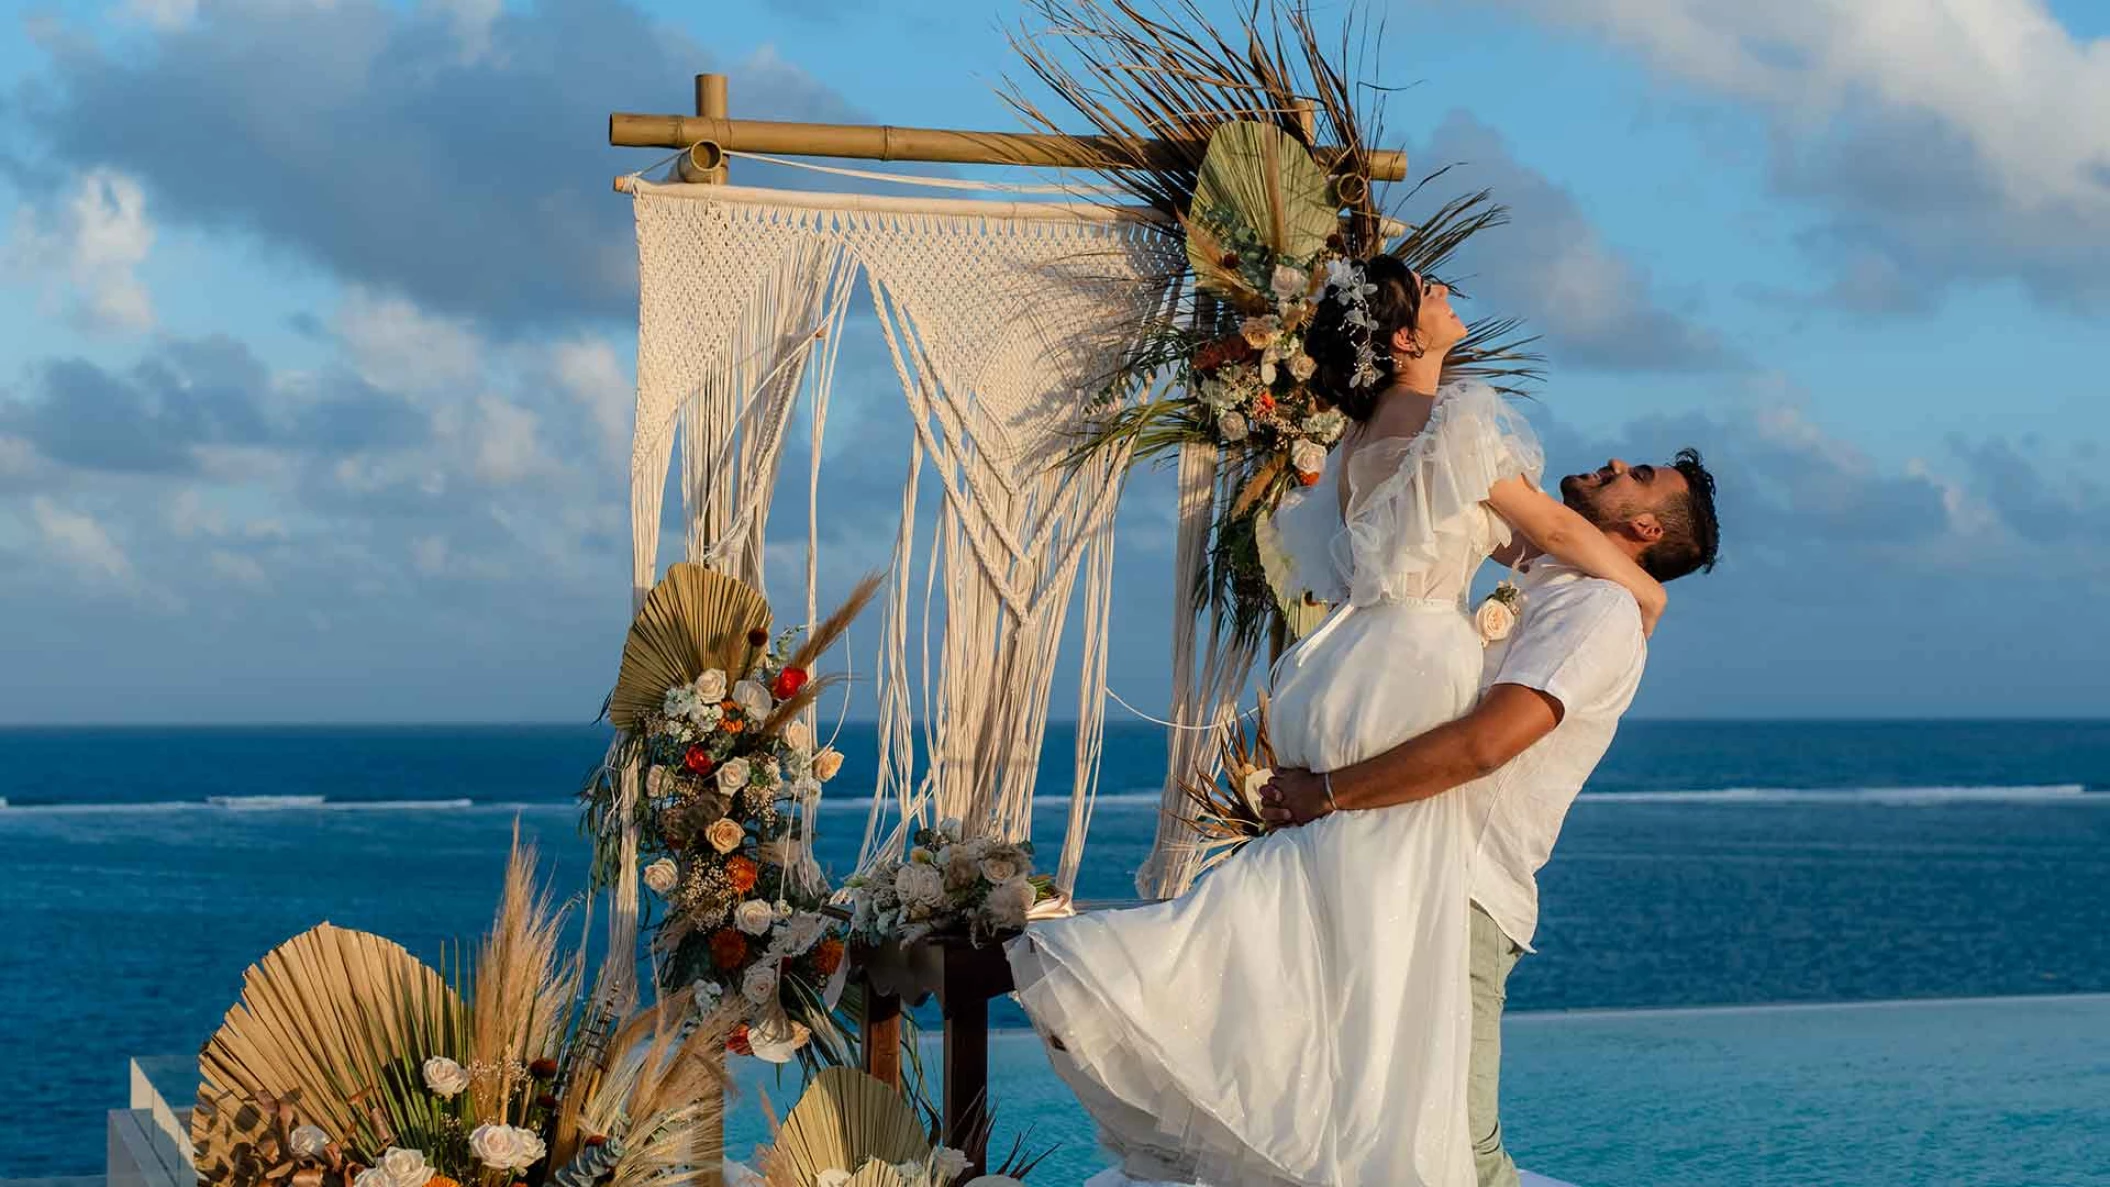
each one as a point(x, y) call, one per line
point(1293, 797)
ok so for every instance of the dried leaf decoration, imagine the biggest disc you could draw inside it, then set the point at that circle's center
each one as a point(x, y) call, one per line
point(692, 621)
point(328, 1022)
point(844, 1120)
point(1257, 185)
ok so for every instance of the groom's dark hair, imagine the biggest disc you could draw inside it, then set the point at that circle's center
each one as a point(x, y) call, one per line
point(1690, 531)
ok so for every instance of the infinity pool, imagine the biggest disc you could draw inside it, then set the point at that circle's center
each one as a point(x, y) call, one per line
point(2001, 1092)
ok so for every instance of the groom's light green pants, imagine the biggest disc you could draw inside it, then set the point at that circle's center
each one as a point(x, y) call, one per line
point(1493, 956)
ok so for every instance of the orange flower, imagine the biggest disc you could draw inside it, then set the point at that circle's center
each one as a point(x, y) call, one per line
point(742, 873)
point(828, 956)
point(737, 1042)
point(441, 1181)
point(728, 948)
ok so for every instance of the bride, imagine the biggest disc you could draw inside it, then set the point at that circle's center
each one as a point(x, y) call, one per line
point(1301, 1017)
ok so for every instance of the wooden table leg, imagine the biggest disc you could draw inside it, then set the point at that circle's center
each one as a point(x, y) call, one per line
point(967, 1076)
point(882, 1036)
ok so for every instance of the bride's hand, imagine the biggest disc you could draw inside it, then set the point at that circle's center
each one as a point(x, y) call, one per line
point(1293, 797)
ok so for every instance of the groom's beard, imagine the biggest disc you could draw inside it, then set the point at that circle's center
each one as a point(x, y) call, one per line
point(1581, 496)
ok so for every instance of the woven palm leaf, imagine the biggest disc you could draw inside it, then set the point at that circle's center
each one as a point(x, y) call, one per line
point(324, 1020)
point(845, 1119)
point(1259, 178)
point(693, 620)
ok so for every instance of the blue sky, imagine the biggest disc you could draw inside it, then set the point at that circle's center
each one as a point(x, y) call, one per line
point(317, 329)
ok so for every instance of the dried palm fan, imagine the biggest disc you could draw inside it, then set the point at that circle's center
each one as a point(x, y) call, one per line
point(1256, 181)
point(1226, 813)
point(330, 1022)
point(877, 1174)
point(693, 620)
point(845, 1119)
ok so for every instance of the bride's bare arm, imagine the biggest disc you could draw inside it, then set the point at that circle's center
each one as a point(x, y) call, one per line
point(1557, 530)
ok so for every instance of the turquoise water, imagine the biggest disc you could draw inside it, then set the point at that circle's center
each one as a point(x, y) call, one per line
point(1711, 864)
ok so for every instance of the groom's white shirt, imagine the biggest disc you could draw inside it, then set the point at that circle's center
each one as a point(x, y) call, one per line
point(1579, 641)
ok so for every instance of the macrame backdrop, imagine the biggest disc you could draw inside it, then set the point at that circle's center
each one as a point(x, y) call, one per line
point(1000, 320)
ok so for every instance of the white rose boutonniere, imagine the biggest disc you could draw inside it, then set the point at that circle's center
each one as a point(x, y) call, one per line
point(444, 1076)
point(505, 1147)
point(1497, 616)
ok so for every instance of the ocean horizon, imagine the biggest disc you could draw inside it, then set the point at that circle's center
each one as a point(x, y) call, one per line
point(1709, 864)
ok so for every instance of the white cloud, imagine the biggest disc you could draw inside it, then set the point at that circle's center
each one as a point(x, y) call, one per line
point(242, 570)
point(1916, 124)
point(429, 554)
point(590, 372)
point(162, 14)
point(505, 441)
point(90, 248)
point(77, 539)
point(398, 347)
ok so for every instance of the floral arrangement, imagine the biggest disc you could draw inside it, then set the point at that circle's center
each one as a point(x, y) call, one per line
point(711, 706)
point(350, 1063)
point(1249, 139)
point(850, 1130)
point(975, 887)
point(1224, 810)
point(1498, 612)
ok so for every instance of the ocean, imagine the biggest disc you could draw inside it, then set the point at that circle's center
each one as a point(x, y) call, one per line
point(1709, 864)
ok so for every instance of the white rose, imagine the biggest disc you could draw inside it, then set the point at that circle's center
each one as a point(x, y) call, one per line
point(1009, 902)
point(1288, 281)
point(1302, 367)
point(949, 1163)
point(406, 1168)
point(834, 1176)
point(754, 917)
point(503, 1147)
point(753, 699)
point(308, 1141)
point(373, 1177)
point(445, 1076)
point(1258, 332)
point(798, 737)
point(733, 775)
point(1494, 620)
point(663, 876)
point(1307, 457)
point(999, 869)
point(710, 686)
point(760, 984)
point(920, 884)
point(1231, 426)
point(827, 763)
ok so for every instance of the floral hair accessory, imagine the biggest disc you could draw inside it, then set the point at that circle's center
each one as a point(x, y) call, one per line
point(1348, 285)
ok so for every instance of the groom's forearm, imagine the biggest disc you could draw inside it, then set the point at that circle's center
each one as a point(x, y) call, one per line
point(1503, 725)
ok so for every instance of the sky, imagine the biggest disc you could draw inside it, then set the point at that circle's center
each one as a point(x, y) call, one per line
point(317, 332)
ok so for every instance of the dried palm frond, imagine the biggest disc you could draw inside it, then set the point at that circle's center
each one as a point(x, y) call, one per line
point(1257, 179)
point(335, 1023)
point(693, 620)
point(663, 1096)
point(1171, 75)
point(523, 988)
point(877, 1174)
point(845, 1119)
point(1225, 811)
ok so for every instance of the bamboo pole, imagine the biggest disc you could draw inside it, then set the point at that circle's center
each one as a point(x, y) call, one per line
point(705, 162)
point(879, 142)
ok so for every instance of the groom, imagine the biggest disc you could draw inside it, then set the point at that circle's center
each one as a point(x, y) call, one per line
point(1552, 696)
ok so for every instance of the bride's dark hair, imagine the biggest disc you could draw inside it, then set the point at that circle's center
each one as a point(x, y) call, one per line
point(1395, 306)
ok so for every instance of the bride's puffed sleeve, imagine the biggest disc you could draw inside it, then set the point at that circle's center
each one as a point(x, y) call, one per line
point(1414, 501)
point(1295, 545)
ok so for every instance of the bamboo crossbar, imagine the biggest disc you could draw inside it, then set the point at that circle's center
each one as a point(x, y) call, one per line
point(880, 142)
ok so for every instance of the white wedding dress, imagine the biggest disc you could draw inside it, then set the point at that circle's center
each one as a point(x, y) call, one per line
point(1302, 1016)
